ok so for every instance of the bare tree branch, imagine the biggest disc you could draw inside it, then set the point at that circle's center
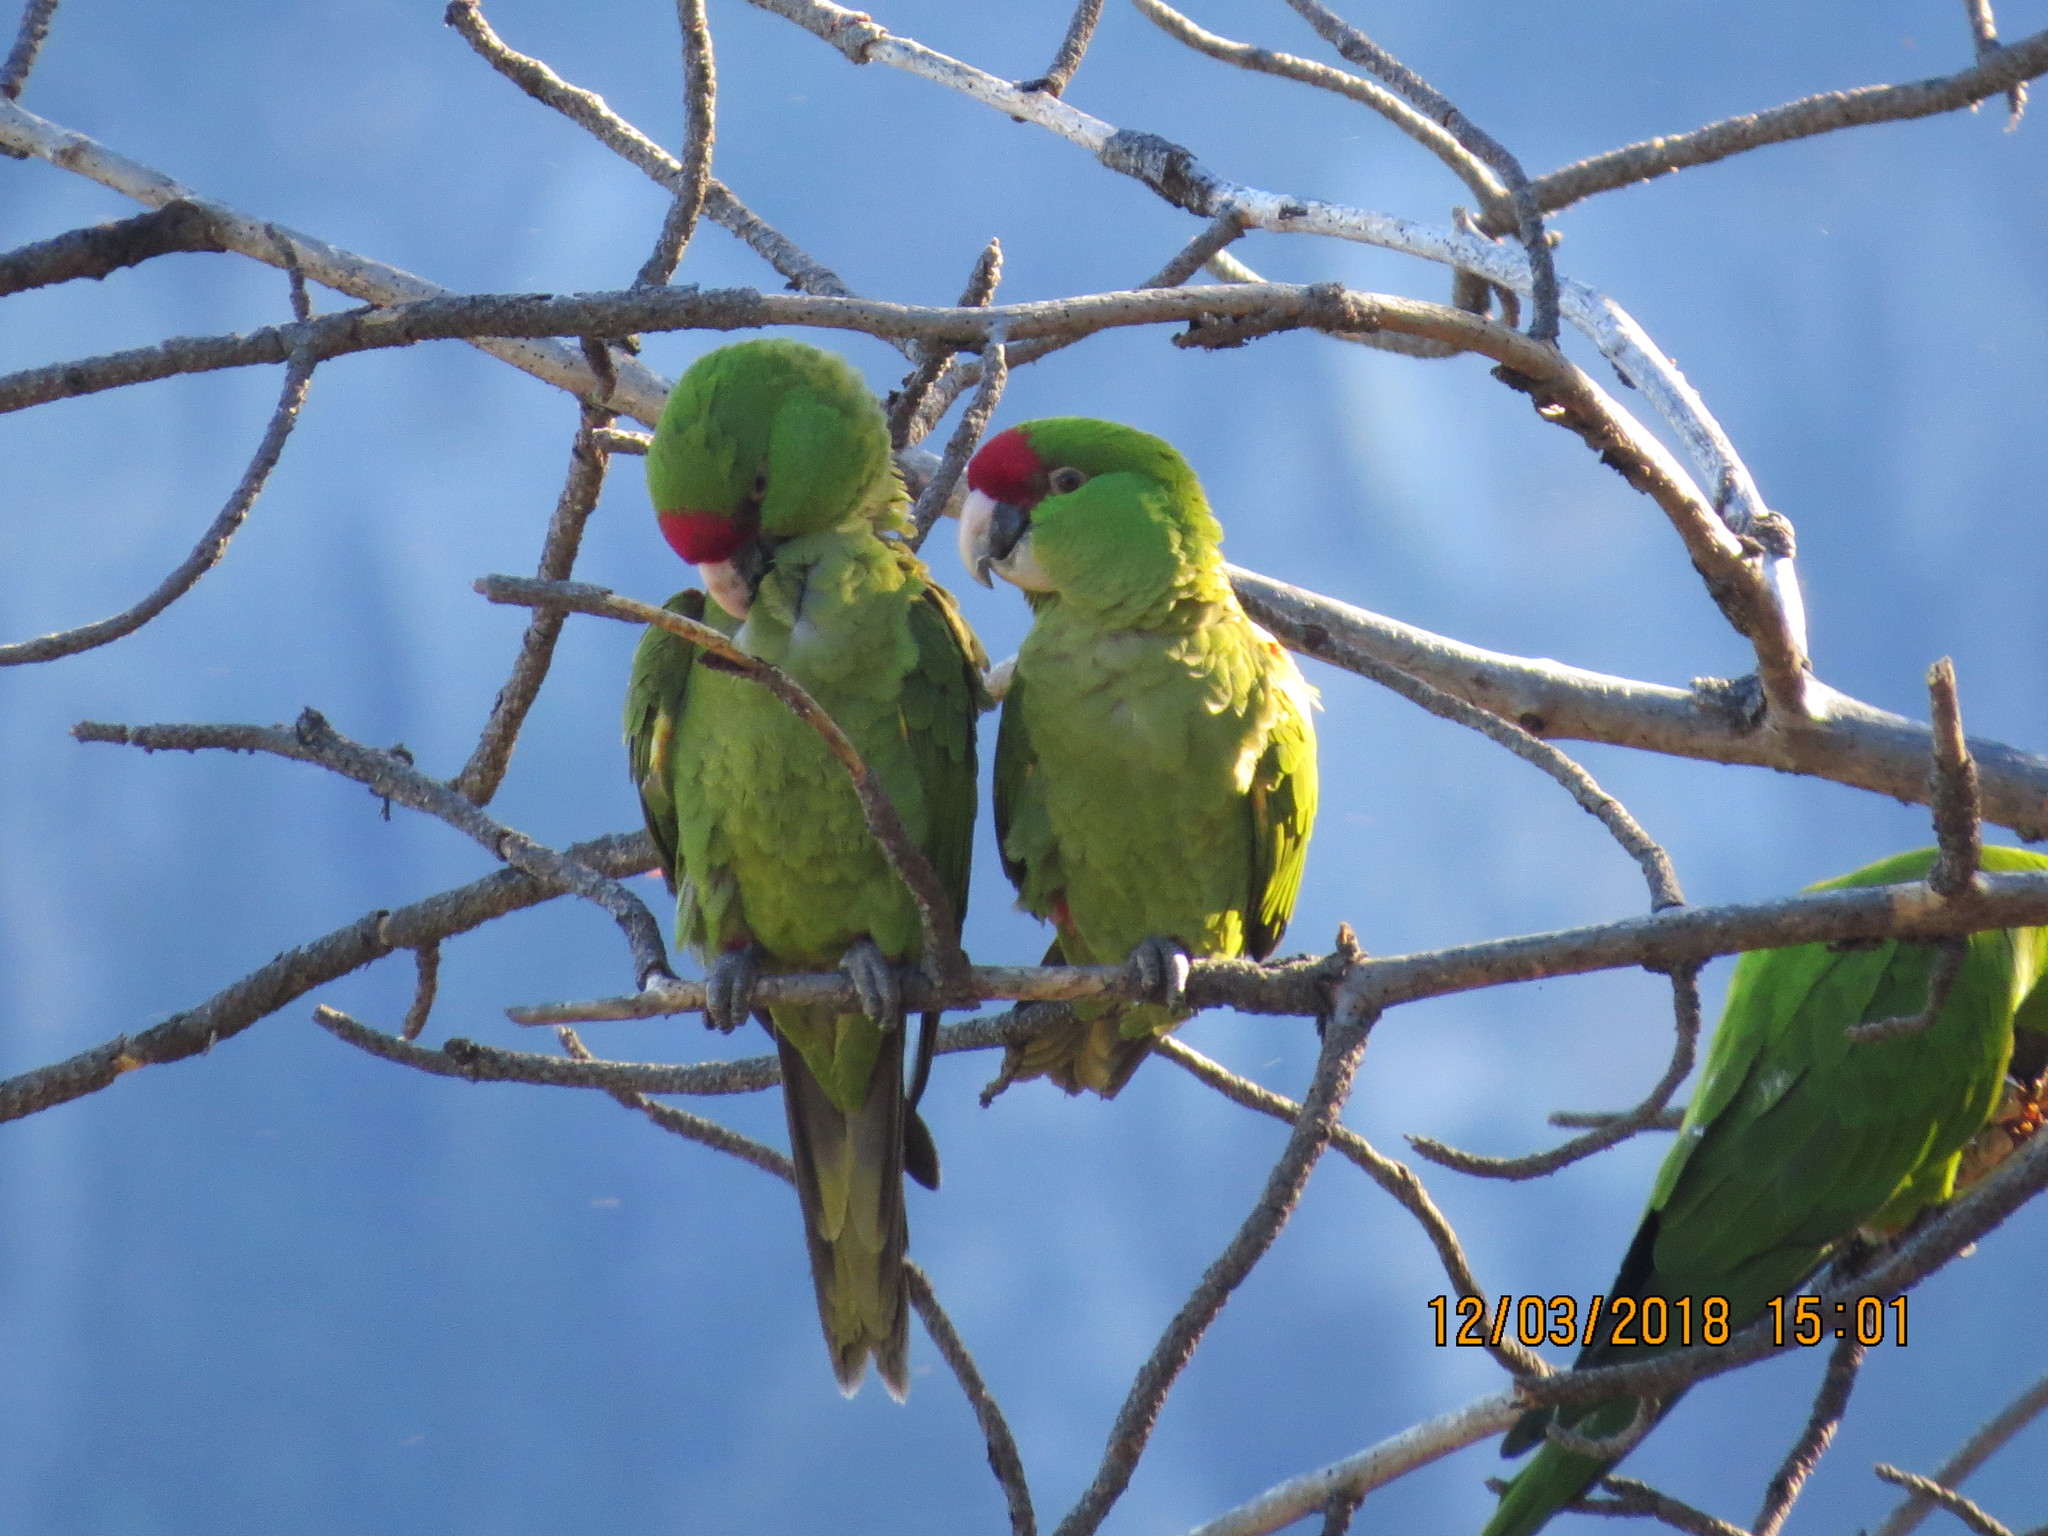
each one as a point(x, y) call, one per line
point(1977, 1450)
point(313, 740)
point(1984, 30)
point(427, 962)
point(1843, 739)
point(1829, 1404)
point(589, 459)
point(1630, 1497)
point(1003, 1459)
point(1073, 48)
point(1395, 1178)
point(679, 1122)
point(1364, 52)
point(1685, 993)
point(945, 967)
point(205, 554)
point(1947, 1498)
point(909, 422)
point(640, 392)
point(995, 372)
point(1953, 793)
point(700, 115)
point(298, 971)
point(1373, 1467)
point(1827, 112)
point(1423, 129)
point(1343, 1044)
point(28, 42)
point(100, 249)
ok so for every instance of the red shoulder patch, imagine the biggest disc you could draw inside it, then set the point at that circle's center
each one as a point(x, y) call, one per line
point(1006, 469)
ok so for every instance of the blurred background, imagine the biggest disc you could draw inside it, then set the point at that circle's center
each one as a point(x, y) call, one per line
point(290, 1287)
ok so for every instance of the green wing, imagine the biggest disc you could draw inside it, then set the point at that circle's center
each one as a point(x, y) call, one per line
point(1016, 766)
point(1283, 810)
point(942, 696)
point(654, 703)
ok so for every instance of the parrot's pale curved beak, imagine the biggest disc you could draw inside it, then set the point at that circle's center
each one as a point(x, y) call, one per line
point(976, 515)
point(728, 588)
point(996, 536)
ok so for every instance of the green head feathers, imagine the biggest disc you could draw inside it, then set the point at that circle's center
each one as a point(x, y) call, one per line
point(1101, 514)
point(770, 438)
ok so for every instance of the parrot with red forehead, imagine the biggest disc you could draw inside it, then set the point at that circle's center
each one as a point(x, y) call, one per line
point(1156, 764)
point(770, 471)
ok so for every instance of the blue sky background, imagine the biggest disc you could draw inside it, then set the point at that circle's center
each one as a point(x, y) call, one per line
point(286, 1287)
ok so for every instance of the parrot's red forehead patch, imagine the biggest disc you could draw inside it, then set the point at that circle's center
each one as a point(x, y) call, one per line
point(702, 538)
point(1006, 469)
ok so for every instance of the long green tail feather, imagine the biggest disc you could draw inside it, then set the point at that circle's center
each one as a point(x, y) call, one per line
point(849, 1180)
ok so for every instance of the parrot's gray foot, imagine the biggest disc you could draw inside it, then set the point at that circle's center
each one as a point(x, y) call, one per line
point(876, 982)
point(1161, 966)
point(729, 989)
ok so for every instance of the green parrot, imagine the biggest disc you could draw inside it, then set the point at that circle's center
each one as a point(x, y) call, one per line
point(1156, 765)
point(1799, 1141)
point(770, 471)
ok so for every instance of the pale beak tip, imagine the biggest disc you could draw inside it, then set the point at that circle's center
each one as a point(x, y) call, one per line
point(981, 567)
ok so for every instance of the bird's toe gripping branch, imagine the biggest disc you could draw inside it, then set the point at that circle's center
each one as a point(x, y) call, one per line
point(729, 988)
point(1161, 967)
point(877, 982)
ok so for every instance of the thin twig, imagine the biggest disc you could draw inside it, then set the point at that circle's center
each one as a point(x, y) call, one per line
point(1343, 1044)
point(700, 117)
point(1003, 1459)
point(1828, 112)
point(588, 110)
point(205, 554)
point(1829, 1404)
point(908, 423)
point(1608, 1448)
point(1952, 793)
point(1373, 1467)
point(1424, 130)
point(1950, 955)
point(100, 249)
point(679, 1122)
point(313, 740)
point(1397, 1179)
point(1339, 1512)
point(298, 971)
point(1962, 1508)
point(1364, 52)
point(1977, 1450)
point(427, 962)
point(1667, 1119)
point(1629, 1497)
point(944, 964)
point(28, 42)
point(995, 373)
point(588, 461)
point(1073, 47)
point(1685, 1007)
point(1984, 29)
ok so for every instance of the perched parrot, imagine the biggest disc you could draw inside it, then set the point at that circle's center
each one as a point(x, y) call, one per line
point(1798, 1140)
point(1156, 766)
point(770, 471)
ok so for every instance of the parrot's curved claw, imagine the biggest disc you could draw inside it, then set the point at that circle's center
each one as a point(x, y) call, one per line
point(729, 989)
point(876, 982)
point(1162, 967)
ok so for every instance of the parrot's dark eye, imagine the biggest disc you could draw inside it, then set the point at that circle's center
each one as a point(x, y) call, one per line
point(1064, 481)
